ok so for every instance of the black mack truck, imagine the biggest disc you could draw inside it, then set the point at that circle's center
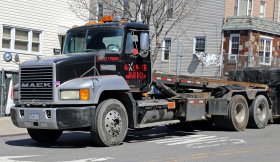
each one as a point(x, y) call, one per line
point(103, 83)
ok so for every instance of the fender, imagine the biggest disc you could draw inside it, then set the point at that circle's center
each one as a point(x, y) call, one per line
point(77, 83)
point(106, 83)
point(97, 84)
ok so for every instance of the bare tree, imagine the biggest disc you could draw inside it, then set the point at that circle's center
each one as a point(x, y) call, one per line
point(162, 16)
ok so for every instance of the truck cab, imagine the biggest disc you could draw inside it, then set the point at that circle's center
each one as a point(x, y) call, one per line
point(114, 48)
point(102, 62)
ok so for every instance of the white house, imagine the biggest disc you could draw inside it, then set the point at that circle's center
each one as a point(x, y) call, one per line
point(33, 27)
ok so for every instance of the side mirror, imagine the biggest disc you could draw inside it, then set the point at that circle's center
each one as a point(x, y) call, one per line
point(7, 56)
point(144, 41)
point(144, 44)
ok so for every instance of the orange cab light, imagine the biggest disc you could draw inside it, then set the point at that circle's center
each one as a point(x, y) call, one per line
point(91, 23)
point(107, 19)
point(123, 21)
point(84, 94)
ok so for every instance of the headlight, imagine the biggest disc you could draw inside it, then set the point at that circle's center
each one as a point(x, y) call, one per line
point(81, 94)
point(69, 94)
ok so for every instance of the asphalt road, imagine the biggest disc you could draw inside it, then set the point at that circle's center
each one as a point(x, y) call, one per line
point(153, 145)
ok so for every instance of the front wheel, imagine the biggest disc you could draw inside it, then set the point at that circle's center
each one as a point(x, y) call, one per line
point(111, 123)
point(44, 135)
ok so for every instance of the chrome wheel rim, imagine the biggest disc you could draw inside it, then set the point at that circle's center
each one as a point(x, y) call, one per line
point(113, 123)
point(261, 111)
point(240, 113)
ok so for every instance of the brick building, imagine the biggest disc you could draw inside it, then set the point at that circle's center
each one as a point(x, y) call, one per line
point(251, 34)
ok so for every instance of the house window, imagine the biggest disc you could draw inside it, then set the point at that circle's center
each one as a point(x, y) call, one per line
point(199, 44)
point(234, 46)
point(35, 41)
point(6, 39)
point(17, 39)
point(265, 51)
point(21, 40)
point(166, 49)
point(243, 7)
point(262, 8)
point(249, 7)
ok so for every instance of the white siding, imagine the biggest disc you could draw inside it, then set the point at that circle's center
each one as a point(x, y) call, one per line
point(44, 15)
point(207, 21)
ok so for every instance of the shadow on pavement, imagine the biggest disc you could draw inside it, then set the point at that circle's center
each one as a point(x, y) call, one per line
point(84, 139)
point(67, 140)
point(163, 132)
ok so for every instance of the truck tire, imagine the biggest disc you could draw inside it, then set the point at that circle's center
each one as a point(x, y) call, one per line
point(44, 135)
point(259, 113)
point(238, 115)
point(111, 123)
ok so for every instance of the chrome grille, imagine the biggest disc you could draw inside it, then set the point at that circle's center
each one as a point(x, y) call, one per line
point(36, 83)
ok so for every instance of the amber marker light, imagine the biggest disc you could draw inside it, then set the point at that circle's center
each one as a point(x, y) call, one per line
point(84, 94)
point(91, 23)
point(123, 21)
point(107, 18)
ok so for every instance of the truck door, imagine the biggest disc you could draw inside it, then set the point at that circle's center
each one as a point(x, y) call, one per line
point(136, 69)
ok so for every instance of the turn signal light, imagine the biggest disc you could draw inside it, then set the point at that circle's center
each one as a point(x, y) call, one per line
point(84, 94)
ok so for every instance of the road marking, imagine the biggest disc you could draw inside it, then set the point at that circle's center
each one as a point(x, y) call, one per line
point(215, 154)
point(92, 159)
point(167, 140)
point(237, 141)
point(198, 141)
point(13, 158)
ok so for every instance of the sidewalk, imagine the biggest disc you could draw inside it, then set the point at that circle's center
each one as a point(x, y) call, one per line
point(7, 128)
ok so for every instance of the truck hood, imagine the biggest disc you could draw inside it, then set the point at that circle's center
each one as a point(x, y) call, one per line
point(68, 67)
point(54, 59)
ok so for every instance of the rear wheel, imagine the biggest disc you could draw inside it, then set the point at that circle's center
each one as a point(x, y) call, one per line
point(111, 124)
point(44, 135)
point(259, 113)
point(238, 115)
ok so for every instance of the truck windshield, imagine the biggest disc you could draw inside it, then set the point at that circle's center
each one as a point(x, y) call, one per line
point(107, 39)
